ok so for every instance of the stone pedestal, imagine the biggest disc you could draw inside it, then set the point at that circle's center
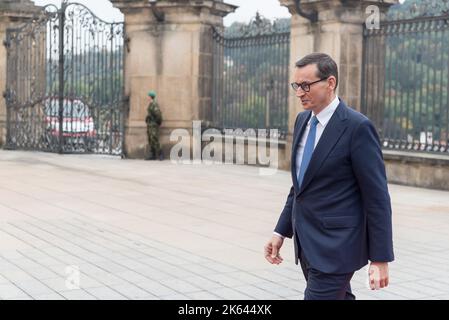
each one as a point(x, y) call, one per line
point(12, 14)
point(339, 33)
point(169, 51)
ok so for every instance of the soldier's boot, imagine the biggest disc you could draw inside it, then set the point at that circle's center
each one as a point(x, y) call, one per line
point(158, 152)
point(148, 154)
point(153, 154)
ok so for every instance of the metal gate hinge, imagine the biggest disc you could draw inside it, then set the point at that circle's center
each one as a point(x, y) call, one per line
point(127, 40)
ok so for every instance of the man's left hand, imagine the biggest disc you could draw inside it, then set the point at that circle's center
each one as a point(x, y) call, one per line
point(378, 275)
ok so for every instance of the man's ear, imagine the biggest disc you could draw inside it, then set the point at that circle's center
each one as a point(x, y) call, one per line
point(332, 82)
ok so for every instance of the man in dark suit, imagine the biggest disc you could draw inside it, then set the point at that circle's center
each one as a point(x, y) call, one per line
point(338, 210)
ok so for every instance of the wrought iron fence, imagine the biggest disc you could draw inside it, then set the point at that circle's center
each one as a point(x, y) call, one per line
point(405, 87)
point(250, 77)
point(65, 82)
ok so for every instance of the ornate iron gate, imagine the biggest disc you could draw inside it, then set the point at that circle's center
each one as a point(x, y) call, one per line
point(65, 83)
point(250, 76)
point(405, 87)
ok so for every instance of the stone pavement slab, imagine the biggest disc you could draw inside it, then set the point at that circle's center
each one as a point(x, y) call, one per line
point(98, 227)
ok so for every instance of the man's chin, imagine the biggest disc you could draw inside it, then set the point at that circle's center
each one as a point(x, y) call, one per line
point(306, 106)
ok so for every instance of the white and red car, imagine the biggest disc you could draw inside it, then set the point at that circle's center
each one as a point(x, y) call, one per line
point(78, 126)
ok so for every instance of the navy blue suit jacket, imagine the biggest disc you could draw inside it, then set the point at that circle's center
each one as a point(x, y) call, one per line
point(341, 215)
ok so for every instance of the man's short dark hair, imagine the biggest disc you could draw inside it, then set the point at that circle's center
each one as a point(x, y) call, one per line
point(325, 64)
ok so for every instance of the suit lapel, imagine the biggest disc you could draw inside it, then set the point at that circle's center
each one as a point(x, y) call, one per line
point(331, 134)
point(300, 127)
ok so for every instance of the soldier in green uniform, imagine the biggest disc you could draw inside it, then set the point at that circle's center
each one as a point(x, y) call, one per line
point(153, 121)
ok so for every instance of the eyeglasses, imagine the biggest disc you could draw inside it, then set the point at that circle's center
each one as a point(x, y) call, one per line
point(305, 86)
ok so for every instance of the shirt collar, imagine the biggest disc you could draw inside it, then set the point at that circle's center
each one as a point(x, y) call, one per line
point(325, 115)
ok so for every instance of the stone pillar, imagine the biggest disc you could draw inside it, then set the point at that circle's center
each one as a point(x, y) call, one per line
point(169, 51)
point(12, 14)
point(339, 33)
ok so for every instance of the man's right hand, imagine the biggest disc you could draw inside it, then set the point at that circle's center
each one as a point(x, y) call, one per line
point(272, 249)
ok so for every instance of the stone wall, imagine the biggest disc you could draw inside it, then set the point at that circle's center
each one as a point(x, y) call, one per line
point(417, 169)
point(12, 14)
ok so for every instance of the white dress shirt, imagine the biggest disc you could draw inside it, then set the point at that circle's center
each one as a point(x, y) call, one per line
point(323, 118)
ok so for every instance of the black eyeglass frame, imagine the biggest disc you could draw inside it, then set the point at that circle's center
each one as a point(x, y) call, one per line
point(305, 86)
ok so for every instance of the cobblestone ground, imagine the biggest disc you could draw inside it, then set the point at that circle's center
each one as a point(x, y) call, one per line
point(155, 230)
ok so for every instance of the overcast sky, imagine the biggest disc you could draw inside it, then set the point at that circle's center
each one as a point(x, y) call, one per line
point(247, 9)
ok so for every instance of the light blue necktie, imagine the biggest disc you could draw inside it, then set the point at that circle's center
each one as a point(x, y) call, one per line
point(308, 150)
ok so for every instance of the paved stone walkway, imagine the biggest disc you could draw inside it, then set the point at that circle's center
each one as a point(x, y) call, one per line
point(155, 230)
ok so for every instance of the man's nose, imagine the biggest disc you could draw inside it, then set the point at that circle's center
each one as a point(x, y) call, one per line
point(300, 93)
